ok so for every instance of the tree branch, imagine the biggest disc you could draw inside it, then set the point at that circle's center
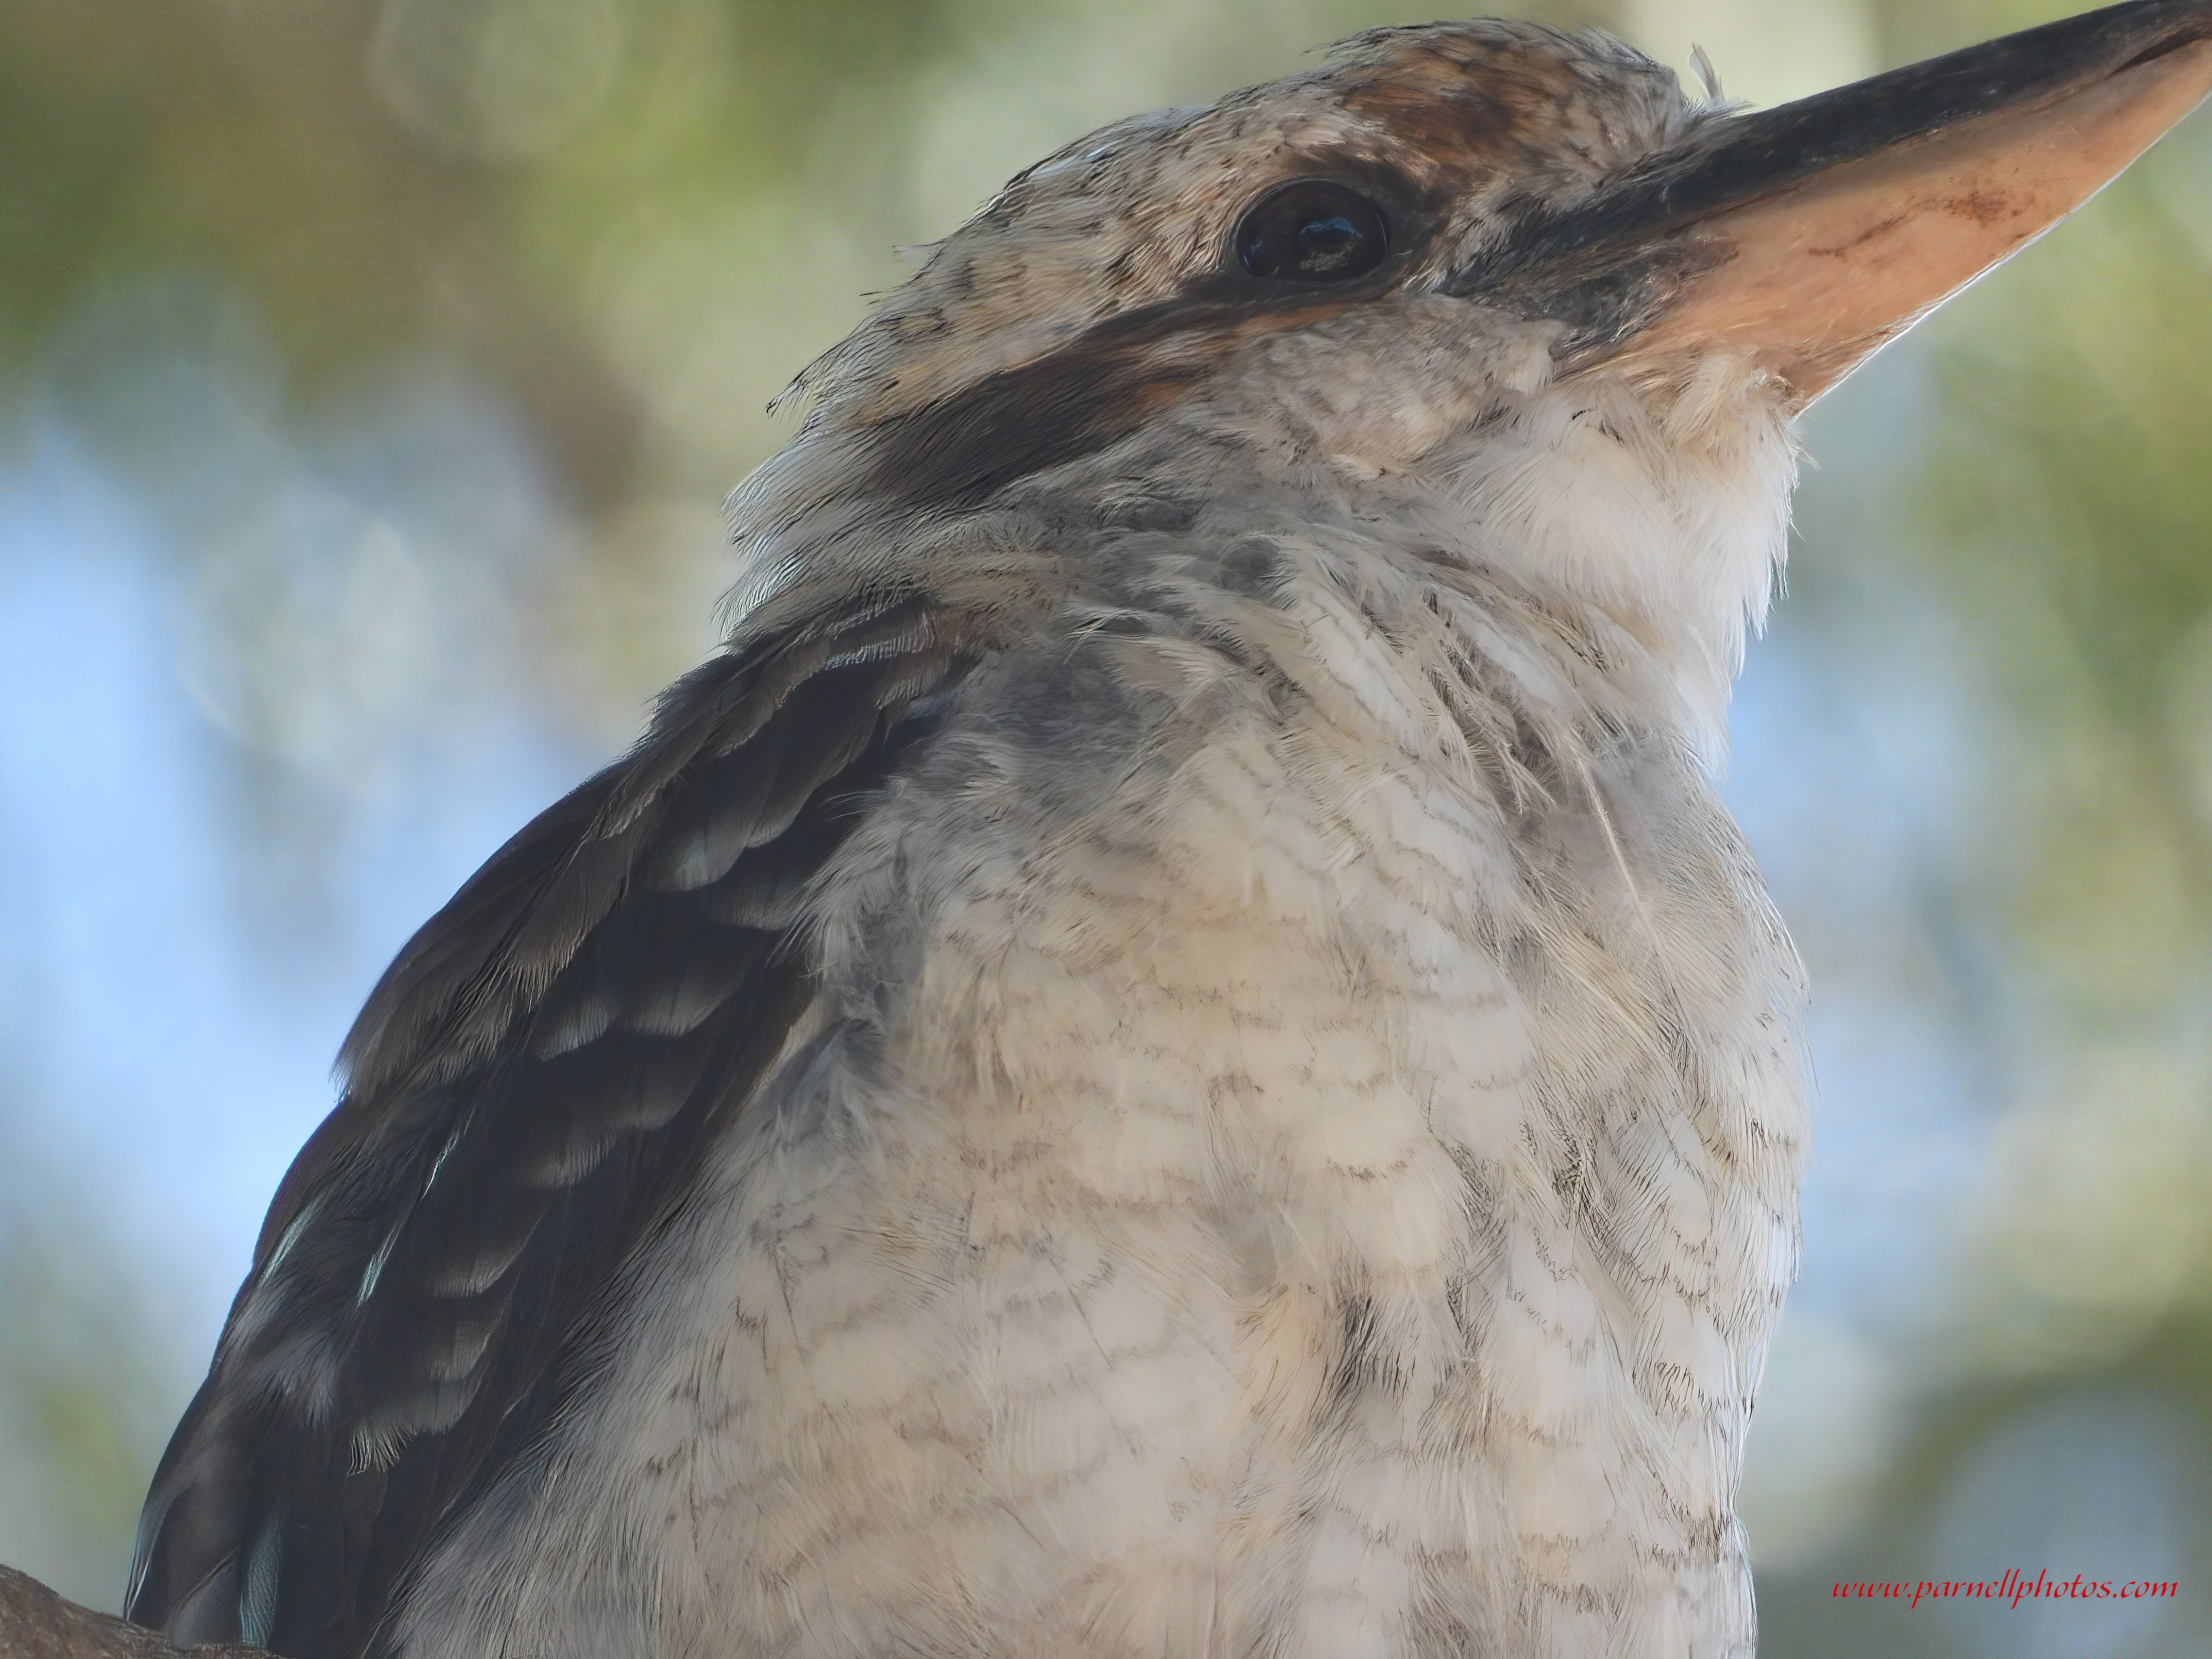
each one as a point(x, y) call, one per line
point(36, 1624)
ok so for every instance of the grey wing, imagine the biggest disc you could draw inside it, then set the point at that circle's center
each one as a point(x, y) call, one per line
point(531, 1087)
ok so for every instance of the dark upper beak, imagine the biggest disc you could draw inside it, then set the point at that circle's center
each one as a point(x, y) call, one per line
point(1807, 236)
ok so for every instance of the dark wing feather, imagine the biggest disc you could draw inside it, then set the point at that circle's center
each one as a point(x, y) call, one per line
point(531, 1087)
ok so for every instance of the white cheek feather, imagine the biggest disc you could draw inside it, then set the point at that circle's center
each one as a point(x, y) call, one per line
point(1660, 506)
point(1669, 514)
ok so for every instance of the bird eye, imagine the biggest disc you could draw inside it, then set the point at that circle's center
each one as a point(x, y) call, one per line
point(1312, 231)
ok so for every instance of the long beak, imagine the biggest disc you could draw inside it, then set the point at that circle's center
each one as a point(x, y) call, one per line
point(1809, 235)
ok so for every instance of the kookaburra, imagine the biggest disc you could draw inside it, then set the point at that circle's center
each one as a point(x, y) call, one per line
point(1171, 1052)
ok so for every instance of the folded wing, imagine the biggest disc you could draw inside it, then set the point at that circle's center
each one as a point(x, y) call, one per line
point(530, 1089)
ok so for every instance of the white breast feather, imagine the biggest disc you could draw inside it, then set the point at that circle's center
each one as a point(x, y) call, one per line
point(1320, 1198)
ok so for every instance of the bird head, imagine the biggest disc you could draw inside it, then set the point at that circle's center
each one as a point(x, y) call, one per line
point(1505, 286)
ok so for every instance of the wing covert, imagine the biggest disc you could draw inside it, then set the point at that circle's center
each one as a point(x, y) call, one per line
point(530, 1090)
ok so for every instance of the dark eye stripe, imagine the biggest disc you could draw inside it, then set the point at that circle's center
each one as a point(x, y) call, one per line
point(957, 452)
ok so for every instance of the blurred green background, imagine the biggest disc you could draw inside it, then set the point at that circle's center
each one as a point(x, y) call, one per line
point(370, 376)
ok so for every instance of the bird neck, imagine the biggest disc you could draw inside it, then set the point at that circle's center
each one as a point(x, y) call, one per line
point(1652, 518)
point(1615, 541)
